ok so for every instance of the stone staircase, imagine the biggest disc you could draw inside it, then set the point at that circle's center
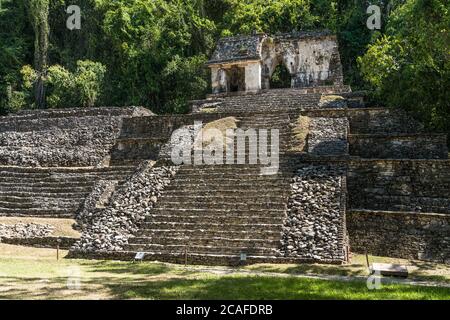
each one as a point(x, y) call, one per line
point(50, 192)
point(268, 100)
point(213, 213)
point(216, 212)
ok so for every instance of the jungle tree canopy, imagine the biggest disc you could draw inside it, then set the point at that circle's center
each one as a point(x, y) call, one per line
point(151, 52)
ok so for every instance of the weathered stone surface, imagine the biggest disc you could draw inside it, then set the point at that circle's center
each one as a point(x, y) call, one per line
point(400, 185)
point(408, 235)
point(41, 242)
point(212, 214)
point(328, 136)
point(312, 59)
point(314, 227)
point(25, 230)
point(61, 138)
point(399, 146)
point(108, 229)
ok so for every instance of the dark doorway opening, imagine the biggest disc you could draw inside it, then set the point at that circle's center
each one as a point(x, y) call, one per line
point(281, 78)
point(236, 78)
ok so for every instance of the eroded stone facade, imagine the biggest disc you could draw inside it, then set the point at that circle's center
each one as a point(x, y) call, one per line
point(247, 63)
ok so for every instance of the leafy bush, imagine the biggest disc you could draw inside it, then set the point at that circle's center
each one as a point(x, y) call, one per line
point(409, 67)
point(66, 89)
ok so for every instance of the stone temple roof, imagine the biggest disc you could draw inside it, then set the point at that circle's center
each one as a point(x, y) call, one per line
point(248, 47)
point(237, 48)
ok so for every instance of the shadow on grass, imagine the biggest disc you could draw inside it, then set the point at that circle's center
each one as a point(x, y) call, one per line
point(209, 287)
point(17, 288)
point(238, 287)
point(120, 267)
point(355, 270)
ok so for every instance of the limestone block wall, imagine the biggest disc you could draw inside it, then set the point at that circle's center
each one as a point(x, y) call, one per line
point(58, 138)
point(400, 185)
point(404, 146)
point(312, 59)
point(406, 235)
point(143, 137)
point(381, 121)
point(253, 76)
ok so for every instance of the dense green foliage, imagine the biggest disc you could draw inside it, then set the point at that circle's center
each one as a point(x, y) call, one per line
point(152, 52)
point(409, 65)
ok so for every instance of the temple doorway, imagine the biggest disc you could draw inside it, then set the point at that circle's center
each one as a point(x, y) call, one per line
point(236, 76)
point(281, 77)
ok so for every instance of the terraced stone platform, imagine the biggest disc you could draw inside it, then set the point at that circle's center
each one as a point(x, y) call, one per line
point(350, 178)
point(51, 192)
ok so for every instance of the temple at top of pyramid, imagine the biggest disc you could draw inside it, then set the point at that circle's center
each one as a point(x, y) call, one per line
point(248, 63)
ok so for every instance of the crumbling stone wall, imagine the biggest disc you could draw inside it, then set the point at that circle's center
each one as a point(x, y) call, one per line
point(314, 227)
point(312, 59)
point(406, 235)
point(328, 136)
point(400, 185)
point(110, 228)
point(381, 121)
point(59, 138)
point(25, 230)
point(423, 146)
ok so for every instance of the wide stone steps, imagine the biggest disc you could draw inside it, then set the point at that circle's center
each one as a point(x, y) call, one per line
point(211, 211)
point(31, 195)
point(217, 210)
point(222, 199)
point(265, 195)
point(66, 170)
point(221, 204)
point(210, 233)
point(218, 187)
point(38, 189)
point(48, 184)
point(262, 182)
point(82, 178)
point(214, 241)
point(149, 227)
point(226, 169)
point(223, 219)
point(34, 212)
point(232, 180)
point(30, 205)
point(205, 250)
point(51, 192)
point(38, 198)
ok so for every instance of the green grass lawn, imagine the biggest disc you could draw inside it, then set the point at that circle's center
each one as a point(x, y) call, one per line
point(27, 273)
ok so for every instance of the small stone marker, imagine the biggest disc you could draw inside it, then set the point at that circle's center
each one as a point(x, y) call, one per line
point(139, 256)
point(387, 269)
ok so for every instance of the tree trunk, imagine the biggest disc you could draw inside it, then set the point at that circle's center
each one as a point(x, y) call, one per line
point(39, 18)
